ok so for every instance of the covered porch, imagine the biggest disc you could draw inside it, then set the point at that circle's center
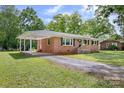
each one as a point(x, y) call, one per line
point(31, 50)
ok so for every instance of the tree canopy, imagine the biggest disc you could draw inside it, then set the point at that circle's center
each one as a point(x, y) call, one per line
point(76, 25)
point(107, 10)
point(66, 23)
point(14, 22)
point(96, 28)
point(30, 21)
point(9, 27)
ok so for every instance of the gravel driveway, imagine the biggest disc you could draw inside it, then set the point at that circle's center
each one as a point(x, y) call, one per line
point(107, 71)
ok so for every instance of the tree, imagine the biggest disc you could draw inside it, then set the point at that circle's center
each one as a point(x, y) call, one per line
point(30, 21)
point(97, 28)
point(59, 23)
point(74, 24)
point(107, 10)
point(66, 23)
point(51, 26)
point(9, 26)
point(115, 37)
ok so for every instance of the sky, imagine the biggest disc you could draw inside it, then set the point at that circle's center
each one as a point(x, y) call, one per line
point(46, 12)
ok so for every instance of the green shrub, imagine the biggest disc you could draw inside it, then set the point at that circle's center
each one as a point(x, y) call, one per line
point(112, 47)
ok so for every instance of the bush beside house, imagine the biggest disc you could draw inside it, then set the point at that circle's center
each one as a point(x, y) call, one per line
point(112, 47)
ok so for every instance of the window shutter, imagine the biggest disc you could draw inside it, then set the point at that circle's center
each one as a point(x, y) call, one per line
point(61, 41)
point(73, 42)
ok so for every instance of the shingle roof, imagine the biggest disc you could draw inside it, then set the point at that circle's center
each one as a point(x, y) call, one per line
point(39, 34)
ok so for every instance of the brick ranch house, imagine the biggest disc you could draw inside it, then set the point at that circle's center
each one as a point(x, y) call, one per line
point(58, 42)
point(104, 45)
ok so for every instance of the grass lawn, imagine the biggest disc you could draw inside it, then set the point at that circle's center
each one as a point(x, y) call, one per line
point(18, 70)
point(108, 57)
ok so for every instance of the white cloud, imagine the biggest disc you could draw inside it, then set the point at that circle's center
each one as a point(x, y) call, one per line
point(53, 10)
point(95, 7)
point(111, 19)
point(47, 20)
point(68, 13)
point(88, 11)
point(87, 8)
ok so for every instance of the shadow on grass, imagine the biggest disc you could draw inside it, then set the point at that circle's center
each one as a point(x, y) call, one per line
point(19, 56)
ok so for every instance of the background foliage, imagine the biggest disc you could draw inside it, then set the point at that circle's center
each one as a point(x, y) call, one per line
point(14, 22)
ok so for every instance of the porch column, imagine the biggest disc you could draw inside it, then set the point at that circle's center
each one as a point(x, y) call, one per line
point(90, 45)
point(98, 45)
point(40, 44)
point(30, 45)
point(90, 42)
point(82, 42)
point(24, 44)
point(20, 47)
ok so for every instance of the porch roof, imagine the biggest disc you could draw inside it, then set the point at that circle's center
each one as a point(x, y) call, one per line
point(41, 34)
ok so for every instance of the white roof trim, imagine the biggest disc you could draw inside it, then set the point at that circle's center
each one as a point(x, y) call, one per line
point(42, 34)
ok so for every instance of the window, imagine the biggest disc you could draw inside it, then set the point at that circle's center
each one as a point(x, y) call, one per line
point(85, 42)
point(95, 42)
point(114, 44)
point(107, 45)
point(48, 41)
point(82, 42)
point(92, 42)
point(88, 42)
point(67, 42)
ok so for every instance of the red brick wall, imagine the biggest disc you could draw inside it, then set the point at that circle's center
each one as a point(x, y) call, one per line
point(64, 49)
point(56, 48)
point(44, 45)
point(88, 48)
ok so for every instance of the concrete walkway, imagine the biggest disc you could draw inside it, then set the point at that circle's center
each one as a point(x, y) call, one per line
point(107, 71)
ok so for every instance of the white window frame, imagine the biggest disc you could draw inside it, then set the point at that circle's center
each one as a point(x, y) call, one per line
point(82, 42)
point(70, 41)
point(107, 45)
point(115, 44)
